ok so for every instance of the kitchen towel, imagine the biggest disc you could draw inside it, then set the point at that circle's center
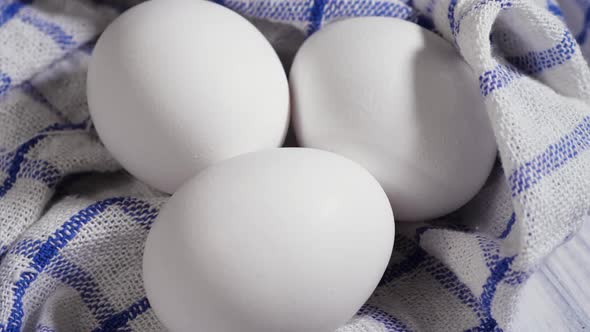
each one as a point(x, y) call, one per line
point(73, 224)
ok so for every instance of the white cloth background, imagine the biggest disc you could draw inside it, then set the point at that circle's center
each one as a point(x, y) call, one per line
point(72, 225)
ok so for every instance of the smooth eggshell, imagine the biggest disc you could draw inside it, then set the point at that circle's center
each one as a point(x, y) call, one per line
point(176, 85)
point(400, 101)
point(287, 240)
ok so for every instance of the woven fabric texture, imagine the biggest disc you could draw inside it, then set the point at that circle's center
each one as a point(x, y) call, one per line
point(73, 225)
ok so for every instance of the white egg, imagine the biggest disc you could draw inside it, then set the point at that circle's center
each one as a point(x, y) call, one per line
point(287, 240)
point(400, 101)
point(176, 85)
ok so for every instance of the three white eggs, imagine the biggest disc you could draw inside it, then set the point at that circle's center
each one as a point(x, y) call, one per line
point(192, 99)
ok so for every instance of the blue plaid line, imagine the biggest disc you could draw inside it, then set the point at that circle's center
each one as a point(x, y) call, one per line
point(481, 306)
point(451, 16)
point(416, 257)
point(515, 278)
point(316, 16)
point(115, 322)
point(342, 8)
point(488, 323)
point(583, 34)
point(48, 251)
point(553, 158)
point(43, 328)
point(420, 260)
point(52, 30)
point(531, 63)
point(554, 9)
point(455, 24)
point(3, 252)
point(19, 159)
point(286, 11)
point(449, 280)
point(141, 212)
point(490, 249)
point(535, 62)
point(509, 225)
point(42, 171)
point(5, 82)
point(73, 276)
point(391, 323)
point(5, 160)
point(497, 78)
point(37, 96)
point(26, 248)
point(9, 9)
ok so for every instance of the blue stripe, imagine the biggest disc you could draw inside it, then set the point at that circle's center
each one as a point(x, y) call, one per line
point(3, 252)
point(5, 82)
point(535, 62)
point(497, 78)
point(516, 277)
point(115, 322)
point(28, 88)
point(554, 9)
point(489, 291)
point(52, 30)
point(89, 291)
point(42, 171)
point(583, 35)
point(455, 24)
point(26, 248)
point(140, 211)
point(391, 323)
point(415, 259)
point(51, 247)
point(8, 11)
point(509, 225)
point(451, 16)
point(15, 166)
point(46, 253)
point(419, 261)
point(19, 155)
point(317, 11)
point(39, 170)
point(361, 8)
point(286, 11)
point(553, 158)
point(531, 63)
point(449, 280)
point(490, 249)
point(316, 16)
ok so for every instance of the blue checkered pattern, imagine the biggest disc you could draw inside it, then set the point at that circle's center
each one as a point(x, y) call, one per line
point(71, 247)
